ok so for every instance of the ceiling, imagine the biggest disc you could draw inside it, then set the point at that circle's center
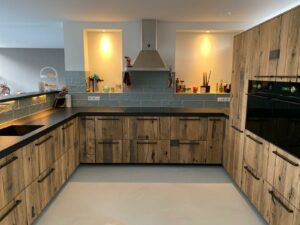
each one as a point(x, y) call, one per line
point(119, 10)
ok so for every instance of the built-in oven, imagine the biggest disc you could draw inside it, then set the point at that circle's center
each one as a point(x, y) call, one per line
point(273, 113)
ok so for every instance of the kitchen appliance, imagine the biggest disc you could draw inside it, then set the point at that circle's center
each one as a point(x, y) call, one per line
point(273, 113)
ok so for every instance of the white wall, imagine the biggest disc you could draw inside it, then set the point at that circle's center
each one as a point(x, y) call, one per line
point(204, 52)
point(20, 68)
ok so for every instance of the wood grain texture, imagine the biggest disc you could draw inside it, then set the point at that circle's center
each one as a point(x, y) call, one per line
point(87, 139)
point(109, 128)
point(11, 177)
point(47, 184)
point(109, 151)
point(31, 164)
point(33, 202)
point(215, 140)
point(163, 153)
point(143, 128)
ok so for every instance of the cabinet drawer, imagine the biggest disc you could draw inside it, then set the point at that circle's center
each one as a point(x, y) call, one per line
point(15, 212)
point(189, 128)
point(142, 128)
point(11, 177)
point(68, 135)
point(109, 128)
point(87, 139)
point(46, 151)
point(47, 186)
point(109, 151)
point(188, 152)
point(33, 202)
point(287, 176)
point(256, 153)
point(31, 163)
point(61, 170)
point(73, 161)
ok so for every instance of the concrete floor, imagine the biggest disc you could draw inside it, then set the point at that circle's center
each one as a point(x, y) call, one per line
point(149, 195)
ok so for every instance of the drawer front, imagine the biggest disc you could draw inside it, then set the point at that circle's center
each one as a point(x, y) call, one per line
point(61, 171)
point(33, 202)
point(15, 212)
point(46, 151)
point(256, 153)
point(188, 152)
point(47, 186)
point(109, 151)
point(12, 177)
point(31, 164)
point(189, 128)
point(87, 139)
point(73, 161)
point(142, 128)
point(146, 151)
point(109, 128)
point(68, 130)
point(287, 176)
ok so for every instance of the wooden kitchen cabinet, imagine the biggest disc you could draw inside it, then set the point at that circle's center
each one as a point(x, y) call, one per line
point(69, 134)
point(87, 139)
point(287, 176)
point(47, 185)
point(11, 177)
point(215, 140)
point(45, 146)
point(109, 128)
point(146, 151)
point(62, 170)
point(109, 151)
point(15, 212)
point(256, 154)
point(188, 152)
point(33, 201)
point(31, 163)
point(189, 128)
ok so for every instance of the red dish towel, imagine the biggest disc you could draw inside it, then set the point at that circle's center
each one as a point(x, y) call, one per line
point(126, 79)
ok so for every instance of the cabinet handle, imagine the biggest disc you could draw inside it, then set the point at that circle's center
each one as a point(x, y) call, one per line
point(188, 143)
point(108, 142)
point(18, 202)
point(66, 127)
point(215, 120)
point(42, 142)
point(147, 142)
point(143, 137)
point(280, 202)
point(8, 162)
point(108, 118)
point(250, 172)
point(237, 129)
point(187, 119)
point(146, 119)
point(253, 139)
point(85, 119)
point(47, 175)
point(286, 159)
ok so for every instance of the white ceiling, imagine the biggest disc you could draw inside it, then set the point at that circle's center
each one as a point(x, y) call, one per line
point(119, 10)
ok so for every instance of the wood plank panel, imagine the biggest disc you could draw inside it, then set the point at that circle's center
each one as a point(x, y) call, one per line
point(87, 139)
point(109, 151)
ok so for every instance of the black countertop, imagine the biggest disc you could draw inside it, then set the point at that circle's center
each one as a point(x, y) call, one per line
point(54, 118)
point(25, 95)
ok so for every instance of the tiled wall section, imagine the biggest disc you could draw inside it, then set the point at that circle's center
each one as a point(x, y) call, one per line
point(23, 107)
point(148, 90)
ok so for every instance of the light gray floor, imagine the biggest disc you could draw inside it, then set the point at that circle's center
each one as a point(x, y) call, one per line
point(150, 195)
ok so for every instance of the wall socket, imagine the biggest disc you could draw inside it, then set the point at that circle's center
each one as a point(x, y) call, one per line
point(93, 98)
point(223, 99)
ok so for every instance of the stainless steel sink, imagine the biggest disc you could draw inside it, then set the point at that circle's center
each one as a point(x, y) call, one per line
point(18, 130)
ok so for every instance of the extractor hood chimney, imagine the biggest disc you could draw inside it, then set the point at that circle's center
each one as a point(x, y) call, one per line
point(149, 59)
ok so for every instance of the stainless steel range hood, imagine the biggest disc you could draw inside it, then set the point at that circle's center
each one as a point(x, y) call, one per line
point(149, 58)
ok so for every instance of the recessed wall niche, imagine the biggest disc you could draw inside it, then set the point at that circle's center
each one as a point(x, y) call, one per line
point(103, 56)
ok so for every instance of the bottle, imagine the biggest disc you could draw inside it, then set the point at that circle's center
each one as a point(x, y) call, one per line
point(221, 88)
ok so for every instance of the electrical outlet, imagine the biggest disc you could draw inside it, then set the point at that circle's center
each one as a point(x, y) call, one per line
point(223, 99)
point(93, 98)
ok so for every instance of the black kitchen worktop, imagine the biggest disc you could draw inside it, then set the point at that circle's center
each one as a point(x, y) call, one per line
point(54, 118)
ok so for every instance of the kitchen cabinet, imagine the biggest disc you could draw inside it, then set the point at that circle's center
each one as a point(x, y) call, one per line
point(31, 163)
point(73, 161)
point(256, 153)
point(162, 152)
point(146, 151)
point(47, 185)
point(69, 133)
point(109, 128)
point(45, 146)
point(62, 170)
point(189, 128)
point(215, 140)
point(188, 152)
point(11, 177)
point(287, 176)
point(109, 151)
point(87, 139)
point(15, 212)
point(289, 45)
point(33, 201)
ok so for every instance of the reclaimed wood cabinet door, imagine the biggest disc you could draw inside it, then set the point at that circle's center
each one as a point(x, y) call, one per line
point(47, 186)
point(289, 45)
point(69, 133)
point(188, 152)
point(287, 176)
point(226, 150)
point(33, 201)
point(256, 153)
point(46, 151)
point(11, 177)
point(15, 212)
point(31, 163)
point(215, 140)
point(61, 170)
point(162, 152)
point(297, 218)
point(109, 128)
point(189, 128)
point(87, 139)
point(269, 45)
point(142, 128)
point(146, 151)
point(109, 151)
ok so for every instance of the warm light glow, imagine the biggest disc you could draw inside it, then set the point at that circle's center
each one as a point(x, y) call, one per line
point(105, 46)
point(205, 46)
